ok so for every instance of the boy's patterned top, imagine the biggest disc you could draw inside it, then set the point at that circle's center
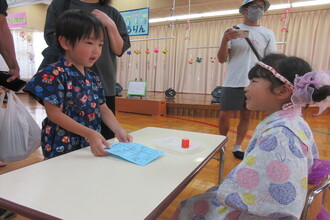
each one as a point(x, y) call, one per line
point(78, 96)
point(271, 181)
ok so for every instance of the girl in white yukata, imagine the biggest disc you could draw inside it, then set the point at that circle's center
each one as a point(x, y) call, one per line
point(271, 181)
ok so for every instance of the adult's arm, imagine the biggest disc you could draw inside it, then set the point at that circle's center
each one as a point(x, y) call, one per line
point(223, 52)
point(116, 42)
point(116, 29)
point(7, 49)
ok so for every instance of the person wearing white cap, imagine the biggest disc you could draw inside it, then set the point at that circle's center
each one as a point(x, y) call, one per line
point(241, 59)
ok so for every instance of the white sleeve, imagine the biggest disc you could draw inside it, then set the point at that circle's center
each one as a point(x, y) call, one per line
point(271, 46)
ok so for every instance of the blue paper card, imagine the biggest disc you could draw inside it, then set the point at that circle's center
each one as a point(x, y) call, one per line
point(134, 152)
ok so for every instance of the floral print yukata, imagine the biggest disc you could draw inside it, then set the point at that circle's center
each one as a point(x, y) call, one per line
point(78, 96)
point(270, 182)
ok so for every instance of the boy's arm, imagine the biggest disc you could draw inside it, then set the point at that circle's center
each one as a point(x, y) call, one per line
point(110, 120)
point(96, 140)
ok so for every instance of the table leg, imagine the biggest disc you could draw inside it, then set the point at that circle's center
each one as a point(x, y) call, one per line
point(222, 163)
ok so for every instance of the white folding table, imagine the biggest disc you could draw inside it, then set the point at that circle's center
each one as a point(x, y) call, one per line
point(79, 185)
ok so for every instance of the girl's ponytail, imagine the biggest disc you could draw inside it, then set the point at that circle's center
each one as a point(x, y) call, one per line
point(321, 93)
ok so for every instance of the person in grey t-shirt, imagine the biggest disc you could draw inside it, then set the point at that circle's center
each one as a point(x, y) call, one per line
point(241, 59)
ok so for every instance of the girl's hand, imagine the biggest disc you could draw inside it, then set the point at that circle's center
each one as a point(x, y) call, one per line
point(123, 136)
point(97, 143)
point(104, 18)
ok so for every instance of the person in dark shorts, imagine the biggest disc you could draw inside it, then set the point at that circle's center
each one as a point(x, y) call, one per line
point(241, 59)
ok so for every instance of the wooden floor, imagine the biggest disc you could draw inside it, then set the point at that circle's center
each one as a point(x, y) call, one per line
point(208, 176)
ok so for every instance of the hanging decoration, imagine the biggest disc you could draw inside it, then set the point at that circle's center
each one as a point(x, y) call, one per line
point(187, 28)
point(147, 51)
point(287, 10)
point(29, 38)
point(172, 14)
point(199, 59)
point(187, 37)
point(31, 57)
point(22, 34)
point(212, 59)
point(137, 52)
point(284, 28)
point(129, 52)
point(156, 50)
point(164, 51)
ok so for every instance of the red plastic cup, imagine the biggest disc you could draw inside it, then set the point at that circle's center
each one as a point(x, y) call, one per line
point(185, 143)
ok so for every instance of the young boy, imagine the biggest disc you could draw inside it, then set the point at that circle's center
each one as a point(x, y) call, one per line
point(72, 94)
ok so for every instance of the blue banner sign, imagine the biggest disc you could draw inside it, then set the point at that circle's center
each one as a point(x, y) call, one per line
point(137, 21)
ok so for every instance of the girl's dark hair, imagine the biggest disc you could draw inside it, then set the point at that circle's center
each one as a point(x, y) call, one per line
point(79, 24)
point(321, 93)
point(288, 67)
point(104, 2)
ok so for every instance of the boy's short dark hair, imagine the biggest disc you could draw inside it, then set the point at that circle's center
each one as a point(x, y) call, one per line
point(103, 2)
point(288, 67)
point(79, 24)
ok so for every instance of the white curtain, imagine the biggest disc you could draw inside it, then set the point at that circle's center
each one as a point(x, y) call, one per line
point(28, 47)
point(307, 37)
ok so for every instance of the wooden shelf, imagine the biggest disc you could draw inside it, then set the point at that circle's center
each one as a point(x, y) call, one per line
point(141, 106)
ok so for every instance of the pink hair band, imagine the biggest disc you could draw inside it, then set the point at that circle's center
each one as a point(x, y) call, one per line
point(276, 74)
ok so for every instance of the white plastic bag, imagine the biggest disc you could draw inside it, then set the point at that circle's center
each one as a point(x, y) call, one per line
point(20, 135)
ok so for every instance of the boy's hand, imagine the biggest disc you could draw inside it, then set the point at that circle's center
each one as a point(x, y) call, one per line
point(97, 143)
point(123, 136)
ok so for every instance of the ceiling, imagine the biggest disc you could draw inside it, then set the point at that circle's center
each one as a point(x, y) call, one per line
point(163, 8)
